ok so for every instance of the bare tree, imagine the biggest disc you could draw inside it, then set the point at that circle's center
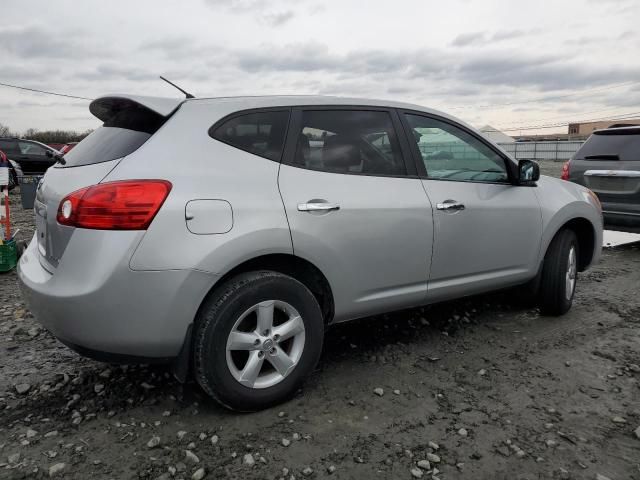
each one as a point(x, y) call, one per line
point(5, 131)
point(45, 136)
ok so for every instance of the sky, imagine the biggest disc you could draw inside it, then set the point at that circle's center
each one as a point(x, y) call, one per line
point(509, 63)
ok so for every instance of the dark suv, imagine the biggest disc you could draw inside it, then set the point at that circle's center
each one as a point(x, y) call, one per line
point(30, 155)
point(609, 164)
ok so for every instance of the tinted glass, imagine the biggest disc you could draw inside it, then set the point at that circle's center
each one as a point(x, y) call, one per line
point(610, 147)
point(104, 144)
point(9, 146)
point(450, 153)
point(260, 133)
point(349, 141)
point(27, 148)
point(126, 127)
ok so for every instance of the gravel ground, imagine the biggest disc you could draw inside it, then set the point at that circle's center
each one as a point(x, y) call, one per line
point(470, 389)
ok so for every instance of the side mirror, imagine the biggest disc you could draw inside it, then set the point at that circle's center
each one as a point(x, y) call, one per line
point(528, 172)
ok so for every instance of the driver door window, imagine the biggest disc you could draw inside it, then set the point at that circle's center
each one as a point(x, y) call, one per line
point(450, 153)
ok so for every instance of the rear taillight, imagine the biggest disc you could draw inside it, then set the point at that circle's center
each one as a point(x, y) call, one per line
point(566, 169)
point(121, 205)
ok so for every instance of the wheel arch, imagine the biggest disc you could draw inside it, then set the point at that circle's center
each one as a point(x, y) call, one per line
point(586, 234)
point(302, 270)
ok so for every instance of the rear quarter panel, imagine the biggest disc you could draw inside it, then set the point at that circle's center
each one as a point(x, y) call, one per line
point(200, 167)
point(562, 201)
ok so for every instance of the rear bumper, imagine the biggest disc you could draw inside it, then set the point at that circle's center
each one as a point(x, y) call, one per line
point(100, 307)
point(624, 221)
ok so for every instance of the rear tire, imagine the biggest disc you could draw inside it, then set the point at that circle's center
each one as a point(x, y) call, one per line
point(233, 335)
point(559, 274)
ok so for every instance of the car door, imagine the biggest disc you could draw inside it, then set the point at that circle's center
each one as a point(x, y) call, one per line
point(487, 231)
point(354, 208)
point(35, 157)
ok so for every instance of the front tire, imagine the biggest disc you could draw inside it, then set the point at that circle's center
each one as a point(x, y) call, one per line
point(559, 274)
point(257, 338)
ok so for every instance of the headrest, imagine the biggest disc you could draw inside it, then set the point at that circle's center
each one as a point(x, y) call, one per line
point(340, 153)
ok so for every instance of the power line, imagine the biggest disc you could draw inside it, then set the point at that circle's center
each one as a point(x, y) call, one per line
point(565, 116)
point(624, 116)
point(45, 92)
point(566, 124)
point(545, 99)
point(508, 129)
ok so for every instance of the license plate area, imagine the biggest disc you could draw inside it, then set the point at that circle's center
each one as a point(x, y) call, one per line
point(613, 181)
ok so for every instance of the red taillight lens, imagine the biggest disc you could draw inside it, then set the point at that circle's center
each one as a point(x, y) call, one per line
point(566, 169)
point(122, 205)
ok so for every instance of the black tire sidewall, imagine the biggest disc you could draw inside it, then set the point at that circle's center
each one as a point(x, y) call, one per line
point(568, 242)
point(217, 320)
point(553, 298)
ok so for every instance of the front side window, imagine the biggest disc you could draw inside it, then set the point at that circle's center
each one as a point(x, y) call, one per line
point(450, 153)
point(349, 141)
point(260, 133)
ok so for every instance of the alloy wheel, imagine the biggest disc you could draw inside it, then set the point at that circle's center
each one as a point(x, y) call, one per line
point(572, 270)
point(265, 344)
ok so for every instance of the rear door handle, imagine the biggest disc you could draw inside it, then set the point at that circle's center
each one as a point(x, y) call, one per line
point(318, 207)
point(450, 205)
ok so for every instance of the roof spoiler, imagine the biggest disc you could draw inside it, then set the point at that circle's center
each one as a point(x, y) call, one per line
point(108, 107)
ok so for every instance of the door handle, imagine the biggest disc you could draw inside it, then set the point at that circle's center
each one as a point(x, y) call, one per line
point(318, 207)
point(450, 205)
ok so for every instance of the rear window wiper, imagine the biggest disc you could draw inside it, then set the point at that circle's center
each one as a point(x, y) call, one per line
point(603, 156)
point(57, 157)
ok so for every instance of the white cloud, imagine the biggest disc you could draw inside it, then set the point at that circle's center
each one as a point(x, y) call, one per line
point(458, 54)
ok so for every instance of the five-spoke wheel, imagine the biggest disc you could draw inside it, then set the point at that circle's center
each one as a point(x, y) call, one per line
point(265, 344)
point(257, 337)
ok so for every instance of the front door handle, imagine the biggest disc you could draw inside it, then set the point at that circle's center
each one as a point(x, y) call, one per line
point(318, 207)
point(450, 205)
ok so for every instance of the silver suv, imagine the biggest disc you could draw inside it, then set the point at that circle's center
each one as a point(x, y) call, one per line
point(224, 235)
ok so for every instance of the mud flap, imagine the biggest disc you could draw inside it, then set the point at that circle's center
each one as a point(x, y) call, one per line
point(180, 366)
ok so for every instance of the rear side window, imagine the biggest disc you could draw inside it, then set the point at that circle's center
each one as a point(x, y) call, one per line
point(125, 129)
point(260, 133)
point(9, 146)
point(28, 148)
point(349, 141)
point(610, 146)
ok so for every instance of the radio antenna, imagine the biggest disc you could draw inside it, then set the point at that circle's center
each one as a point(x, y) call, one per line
point(187, 94)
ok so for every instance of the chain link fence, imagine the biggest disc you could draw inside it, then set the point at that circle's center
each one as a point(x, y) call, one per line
point(556, 151)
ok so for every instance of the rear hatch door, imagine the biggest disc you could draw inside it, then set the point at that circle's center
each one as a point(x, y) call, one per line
point(129, 121)
point(609, 164)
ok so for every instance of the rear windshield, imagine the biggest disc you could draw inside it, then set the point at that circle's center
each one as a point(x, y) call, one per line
point(122, 134)
point(613, 147)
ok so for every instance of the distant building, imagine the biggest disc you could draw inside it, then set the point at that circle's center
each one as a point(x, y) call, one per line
point(585, 129)
point(547, 137)
point(496, 135)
